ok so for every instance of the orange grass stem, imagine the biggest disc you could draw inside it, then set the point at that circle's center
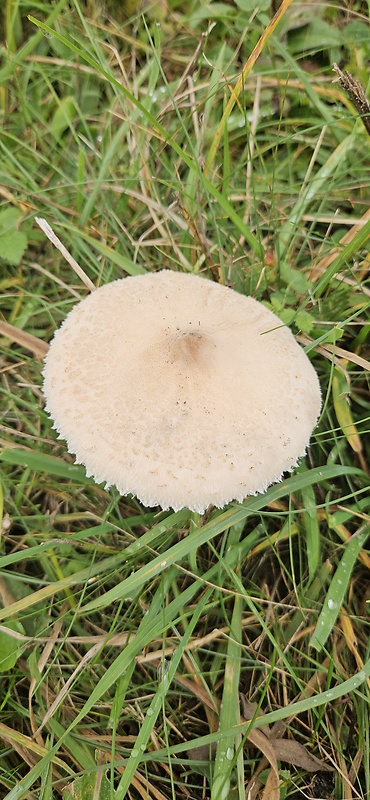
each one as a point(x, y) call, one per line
point(242, 78)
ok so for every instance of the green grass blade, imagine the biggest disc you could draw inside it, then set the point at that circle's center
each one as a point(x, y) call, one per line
point(354, 246)
point(191, 162)
point(168, 673)
point(232, 516)
point(229, 714)
point(45, 463)
point(338, 588)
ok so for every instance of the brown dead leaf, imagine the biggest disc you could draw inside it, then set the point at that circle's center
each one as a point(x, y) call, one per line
point(292, 752)
point(271, 790)
point(274, 748)
point(255, 737)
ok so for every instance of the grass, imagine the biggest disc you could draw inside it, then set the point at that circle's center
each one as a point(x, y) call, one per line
point(156, 654)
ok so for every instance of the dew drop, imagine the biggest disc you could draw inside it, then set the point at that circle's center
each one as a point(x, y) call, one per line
point(229, 753)
point(142, 747)
point(149, 712)
point(134, 753)
point(332, 605)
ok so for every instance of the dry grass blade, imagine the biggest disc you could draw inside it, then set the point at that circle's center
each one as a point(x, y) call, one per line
point(248, 66)
point(42, 662)
point(29, 750)
point(318, 269)
point(332, 352)
point(27, 340)
point(65, 689)
point(48, 231)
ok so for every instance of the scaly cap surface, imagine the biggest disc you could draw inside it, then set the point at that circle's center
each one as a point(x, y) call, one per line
point(180, 391)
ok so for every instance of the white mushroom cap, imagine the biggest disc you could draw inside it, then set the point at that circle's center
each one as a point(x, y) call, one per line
point(180, 391)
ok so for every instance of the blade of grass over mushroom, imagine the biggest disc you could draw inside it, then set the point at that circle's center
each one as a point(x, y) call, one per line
point(231, 517)
point(338, 588)
point(190, 161)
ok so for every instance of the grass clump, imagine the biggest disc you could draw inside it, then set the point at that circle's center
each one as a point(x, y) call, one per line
point(145, 653)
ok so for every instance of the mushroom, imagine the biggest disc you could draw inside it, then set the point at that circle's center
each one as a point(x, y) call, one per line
point(180, 391)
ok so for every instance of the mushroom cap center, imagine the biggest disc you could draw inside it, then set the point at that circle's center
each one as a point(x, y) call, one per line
point(187, 349)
